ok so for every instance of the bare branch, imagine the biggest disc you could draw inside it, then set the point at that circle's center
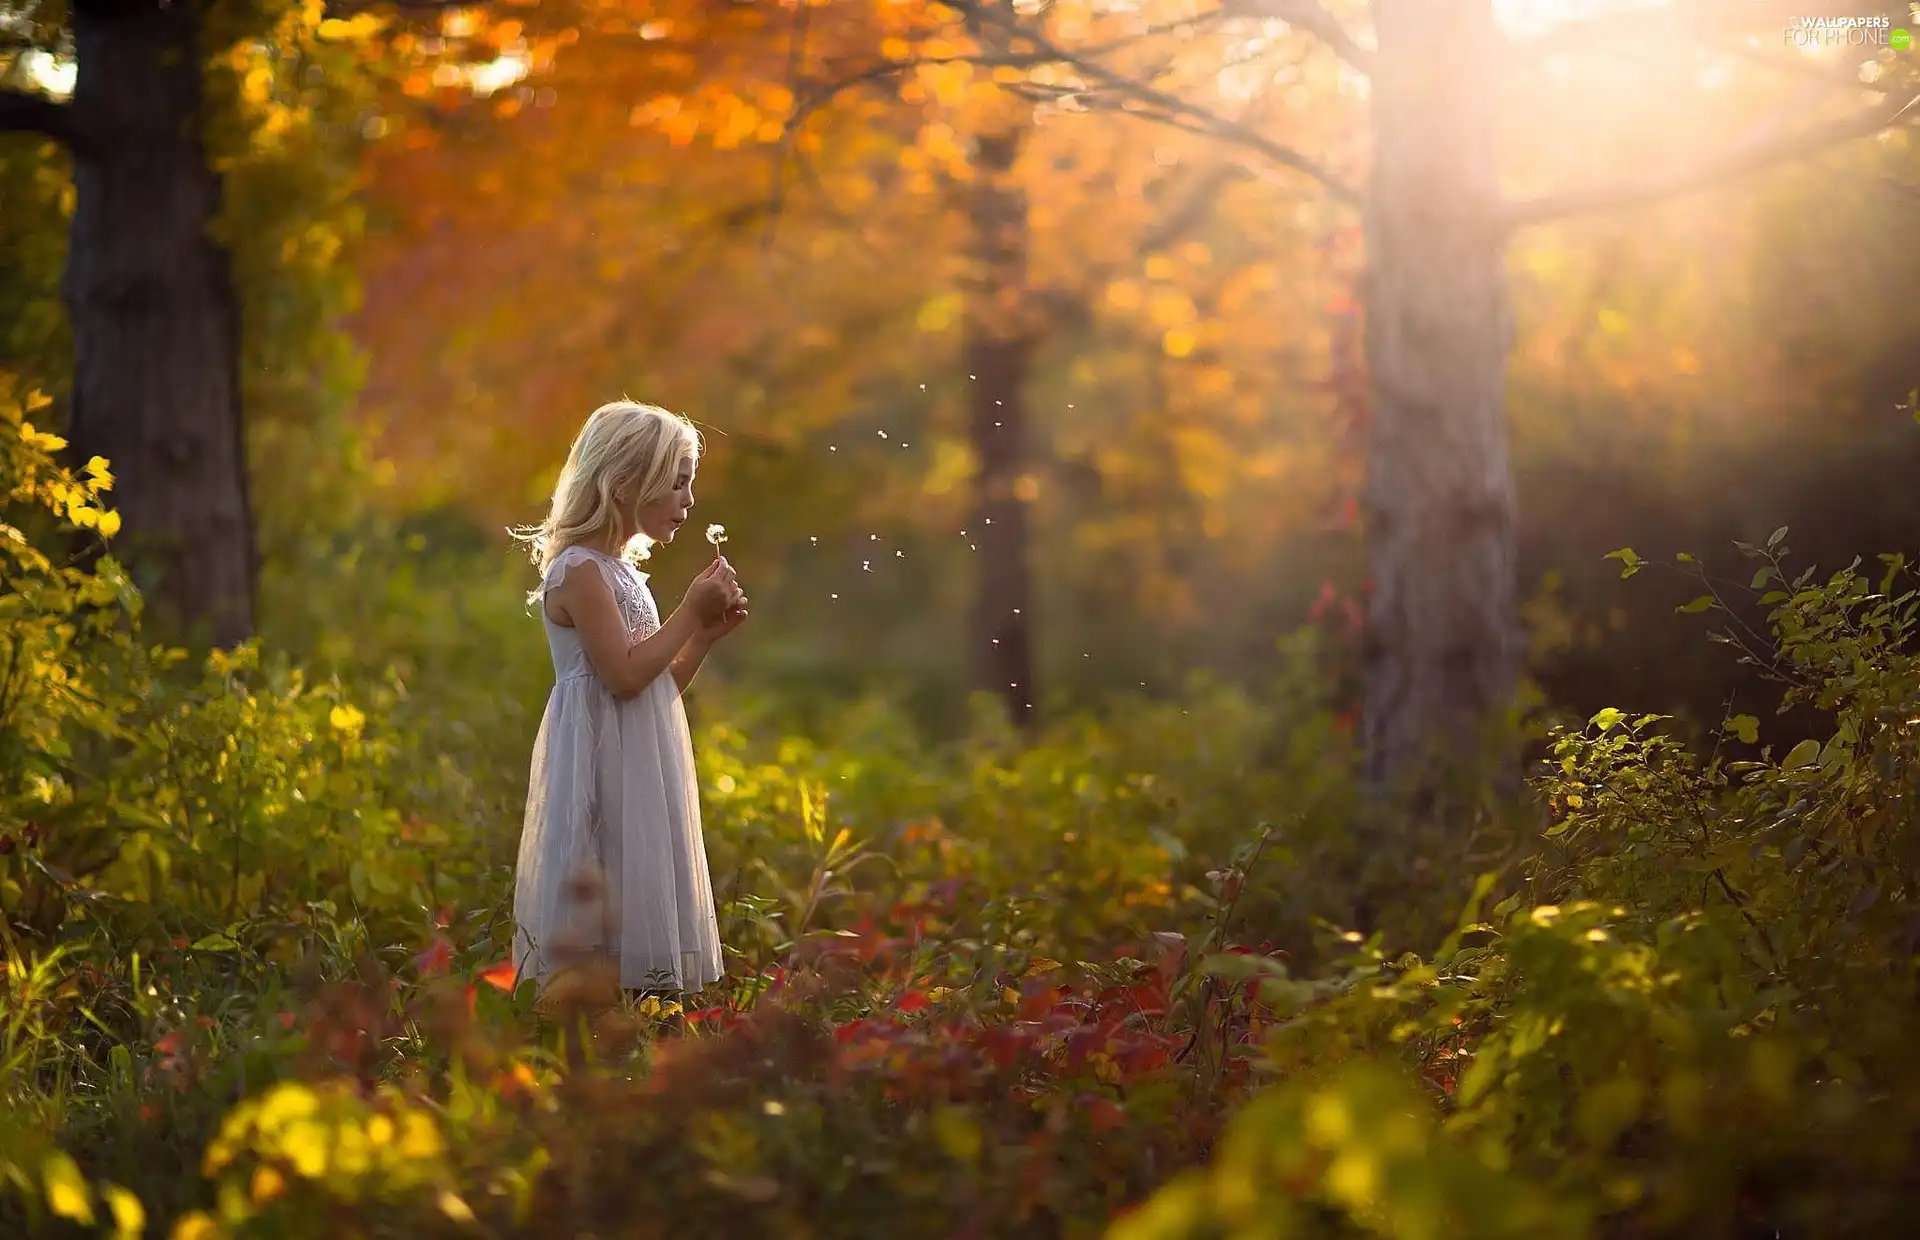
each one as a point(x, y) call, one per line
point(1738, 161)
point(1193, 209)
point(1312, 17)
point(26, 112)
point(1168, 105)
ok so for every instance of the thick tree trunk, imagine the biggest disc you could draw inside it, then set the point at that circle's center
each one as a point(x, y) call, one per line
point(998, 349)
point(155, 317)
point(1443, 641)
point(1000, 329)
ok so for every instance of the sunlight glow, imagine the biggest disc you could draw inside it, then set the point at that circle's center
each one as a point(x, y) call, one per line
point(497, 74)
point(51, 73)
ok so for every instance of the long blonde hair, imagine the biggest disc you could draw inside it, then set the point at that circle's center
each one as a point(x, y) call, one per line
point(625, 447)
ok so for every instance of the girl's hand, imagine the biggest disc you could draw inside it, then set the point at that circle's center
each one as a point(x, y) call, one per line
point(733, 619)
point(714, 591)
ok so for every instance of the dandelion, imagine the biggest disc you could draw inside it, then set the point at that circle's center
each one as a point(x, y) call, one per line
point(716, 534)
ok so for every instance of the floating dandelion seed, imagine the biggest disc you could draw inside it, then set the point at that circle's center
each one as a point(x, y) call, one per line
point(866, 566)
point(996, 424)
point(996, 641)
point(814, 539)
point(973, 376)
point(833, 596)
point(716, 534)
point(873, 538)
point(832, 448)
point(923, 387)
point(899, 555)
point(882, 434)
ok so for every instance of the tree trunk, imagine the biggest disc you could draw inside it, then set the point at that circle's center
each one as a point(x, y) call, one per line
point(156, 324)
point(1000, 334)
point(1443, 643)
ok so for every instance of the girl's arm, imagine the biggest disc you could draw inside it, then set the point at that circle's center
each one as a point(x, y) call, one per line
point(686, 665)
point(586, 600)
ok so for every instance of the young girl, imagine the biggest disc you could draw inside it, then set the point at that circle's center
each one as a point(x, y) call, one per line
point(612, 794)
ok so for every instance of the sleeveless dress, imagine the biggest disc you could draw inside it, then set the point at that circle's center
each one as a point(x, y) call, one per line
point(613, 809)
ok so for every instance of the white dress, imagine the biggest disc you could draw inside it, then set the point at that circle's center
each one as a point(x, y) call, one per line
point(613, 806)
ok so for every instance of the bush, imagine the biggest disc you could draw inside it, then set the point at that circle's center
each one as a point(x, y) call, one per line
point(1095, 983)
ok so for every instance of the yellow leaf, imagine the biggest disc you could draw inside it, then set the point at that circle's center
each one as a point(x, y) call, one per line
point(1041, 965)
point(40, 439)
point(129, 1216)
point(419, 1138)
point(1178, 342)
point(940, 313)
point(289, 1101)
point(67, 1193)
point(347, 719)
point(196, 1226)
point(109, 524)
point(305, 1145)
point(267, 1184)
point(957, 1133)
point(454, 1208)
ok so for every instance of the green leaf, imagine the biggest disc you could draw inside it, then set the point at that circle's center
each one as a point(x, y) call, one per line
point(1767, 573)
point(1482, 1075)
point(1806, 753)
point(1700, 604)
point(1628, 557)
point(1607, 719)
point(216, 943)
point(1746, 727)
point(1773, 540)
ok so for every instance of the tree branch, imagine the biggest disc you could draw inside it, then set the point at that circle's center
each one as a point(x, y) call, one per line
point(1312, 17)
point(1169, 105)
point(1740, 161)
point(26, 112)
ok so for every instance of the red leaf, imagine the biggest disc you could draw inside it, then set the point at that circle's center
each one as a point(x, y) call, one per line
point(500, 976)
point(437, 959)
point(1103, 1114)
point(912, 1001)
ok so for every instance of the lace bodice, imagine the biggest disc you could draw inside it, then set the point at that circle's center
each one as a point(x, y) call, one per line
point(629, 586)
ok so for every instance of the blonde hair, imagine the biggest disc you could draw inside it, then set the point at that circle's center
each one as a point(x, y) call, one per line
point(624, 448)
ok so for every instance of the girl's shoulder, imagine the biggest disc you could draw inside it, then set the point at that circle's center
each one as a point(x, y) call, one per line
point(618, 572)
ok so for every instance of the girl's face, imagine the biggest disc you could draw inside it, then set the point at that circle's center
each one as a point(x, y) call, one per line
point(661, 519)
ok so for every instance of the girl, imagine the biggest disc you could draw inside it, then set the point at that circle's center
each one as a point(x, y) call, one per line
point(612, 803)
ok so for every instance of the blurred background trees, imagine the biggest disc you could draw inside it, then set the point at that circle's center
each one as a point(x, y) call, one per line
point(839, 234)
